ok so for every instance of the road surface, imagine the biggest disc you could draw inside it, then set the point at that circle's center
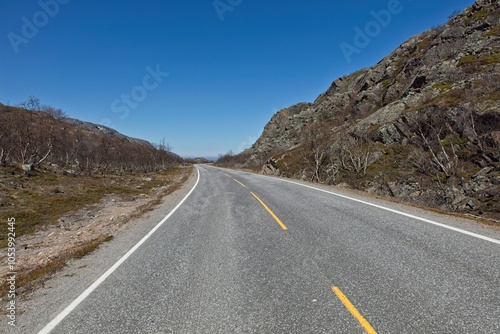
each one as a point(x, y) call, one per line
point(251, 254)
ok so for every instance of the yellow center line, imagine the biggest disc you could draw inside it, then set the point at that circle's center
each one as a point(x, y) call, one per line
point(270, 212)
point(366, 325)
point(241, 184)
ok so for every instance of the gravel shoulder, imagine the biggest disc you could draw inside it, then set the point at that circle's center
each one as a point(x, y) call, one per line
point(470, 223)
point(36, 307)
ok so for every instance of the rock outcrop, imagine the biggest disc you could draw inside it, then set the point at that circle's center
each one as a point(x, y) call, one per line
point(423, 124)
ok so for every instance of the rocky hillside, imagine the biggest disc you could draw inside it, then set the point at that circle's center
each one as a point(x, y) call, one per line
point(422, 125)
point(35, 138)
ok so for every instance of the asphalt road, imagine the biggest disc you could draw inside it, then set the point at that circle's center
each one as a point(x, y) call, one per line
point(250, 254)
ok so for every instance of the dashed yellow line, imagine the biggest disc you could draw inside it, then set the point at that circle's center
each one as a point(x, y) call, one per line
point(270, 212)
point(366, 325)
point(241, 184)
point(347, 303)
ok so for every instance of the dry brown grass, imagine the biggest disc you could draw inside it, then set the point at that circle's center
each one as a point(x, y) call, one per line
point(39, 199)
point(29, 279)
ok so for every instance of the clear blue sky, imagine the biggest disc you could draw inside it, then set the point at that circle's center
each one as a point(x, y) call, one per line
point(229, 68)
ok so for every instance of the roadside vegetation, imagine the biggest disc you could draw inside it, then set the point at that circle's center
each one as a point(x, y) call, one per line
point(53, 167)
point(39, 199)
point(44, 135)
point(421, 126)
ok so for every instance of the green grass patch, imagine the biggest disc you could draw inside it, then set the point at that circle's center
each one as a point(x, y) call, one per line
point(446, 99)
point(495, 31)
point(42, 198)
point(466, 60)
point(454, 139)
point(484, 60)
point(492, 59)
point(291, 163)
point(389, 165)
point(480, 14)
point(450, 98)
point(423, 44)
point(441, 86)
point(440, 178)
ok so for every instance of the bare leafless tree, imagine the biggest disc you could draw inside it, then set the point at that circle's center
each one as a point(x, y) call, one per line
point(32, 104)
point(54, 112)
point(33, 137)
point(355, 154)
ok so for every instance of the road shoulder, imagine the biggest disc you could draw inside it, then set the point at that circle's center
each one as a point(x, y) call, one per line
point(472, 224)
point(39, 307)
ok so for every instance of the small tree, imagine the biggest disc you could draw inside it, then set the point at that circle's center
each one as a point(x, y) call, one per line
point(57, 113)
point(33, 104)
point(164, 146)
point(354, 154)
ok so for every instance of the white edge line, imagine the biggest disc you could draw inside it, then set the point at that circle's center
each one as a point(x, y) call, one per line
point(456, 229)
point(51, 325)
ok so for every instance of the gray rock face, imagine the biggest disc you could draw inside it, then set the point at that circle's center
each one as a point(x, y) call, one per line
point(432, 106)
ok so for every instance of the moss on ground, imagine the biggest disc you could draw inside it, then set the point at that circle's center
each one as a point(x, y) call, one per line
point(40, 198)
point(483, 60)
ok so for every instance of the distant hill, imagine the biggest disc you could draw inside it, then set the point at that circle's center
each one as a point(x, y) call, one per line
point(107, 131)
point(33, 138)
point(199, 160)
point(422, 125)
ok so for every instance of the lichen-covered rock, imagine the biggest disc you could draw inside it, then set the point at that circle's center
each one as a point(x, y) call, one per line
point(432, 106)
